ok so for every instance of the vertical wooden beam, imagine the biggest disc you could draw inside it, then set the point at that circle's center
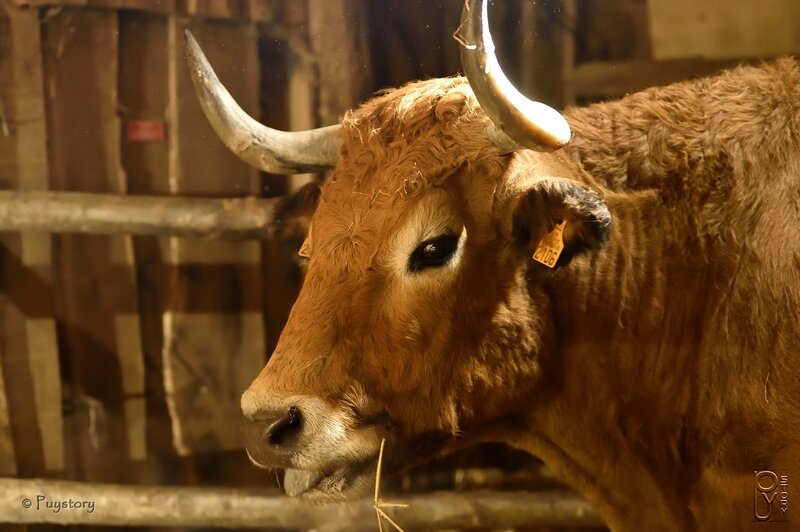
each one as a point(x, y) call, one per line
point(336, 37)
point(540, 46)
point(28, 349)
point(96, 303)
point(569, 15)
point(143, 97)
point(451, 54)
point(35, 252)
point(794, 13)
point(8, 460)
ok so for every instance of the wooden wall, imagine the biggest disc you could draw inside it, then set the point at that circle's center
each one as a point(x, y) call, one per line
point(122, 359)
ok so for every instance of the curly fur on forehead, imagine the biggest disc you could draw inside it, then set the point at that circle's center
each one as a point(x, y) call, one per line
point(416, 133)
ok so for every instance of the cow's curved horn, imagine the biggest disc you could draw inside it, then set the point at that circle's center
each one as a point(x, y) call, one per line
point(518, 121)
point(271, 150)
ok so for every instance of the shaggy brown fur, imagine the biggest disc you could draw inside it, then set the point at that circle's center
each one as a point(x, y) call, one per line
point(655, 372)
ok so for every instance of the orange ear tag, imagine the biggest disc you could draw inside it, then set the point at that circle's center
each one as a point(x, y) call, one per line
point(305, 249)
point(551, 246)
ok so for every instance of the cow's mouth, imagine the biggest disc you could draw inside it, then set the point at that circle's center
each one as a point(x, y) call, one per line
point(349, 480)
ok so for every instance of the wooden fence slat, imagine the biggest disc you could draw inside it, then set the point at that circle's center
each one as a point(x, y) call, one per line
point(143, 96)
point(237, 508)
point(335, 29)
point(718, 29)
point(29, 352)
point(252, 10)
point(8, 459)
point(80, 212)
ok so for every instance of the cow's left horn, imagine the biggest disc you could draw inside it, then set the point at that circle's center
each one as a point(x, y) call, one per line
point(271, 150)
point(518, 121)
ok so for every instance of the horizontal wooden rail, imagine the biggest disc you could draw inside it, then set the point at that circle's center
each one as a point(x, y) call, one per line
point(73, 503)
point(77, 212)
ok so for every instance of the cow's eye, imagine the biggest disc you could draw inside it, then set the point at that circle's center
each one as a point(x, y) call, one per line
point(432, 253)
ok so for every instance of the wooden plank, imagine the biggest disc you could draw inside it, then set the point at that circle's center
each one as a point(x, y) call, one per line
point(78, 212)
point(568, 55)
point(8, 458)
point(252, 10)
point(614, 79)
point(540, 55)
point(264, 10)
point(95, 279)
point(715, 29)
point(143, 96)
point(35, 253)
point(609, 31)
point(213, 8)
point(411, 37)
point(209, 359)
point(238, 508)
point(28, 352)
point(338, 43)
point(158, 6)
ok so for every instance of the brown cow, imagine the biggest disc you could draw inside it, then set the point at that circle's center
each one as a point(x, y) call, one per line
point(656, 366)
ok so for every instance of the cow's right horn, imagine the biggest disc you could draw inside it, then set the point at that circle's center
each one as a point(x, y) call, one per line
point(271, 150)
point(517, 121)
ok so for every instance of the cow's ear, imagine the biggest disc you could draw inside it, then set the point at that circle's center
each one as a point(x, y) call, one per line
point(293, 217)
point(556, 219)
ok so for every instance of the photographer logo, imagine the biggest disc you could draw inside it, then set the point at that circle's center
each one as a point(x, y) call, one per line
point(771, 496)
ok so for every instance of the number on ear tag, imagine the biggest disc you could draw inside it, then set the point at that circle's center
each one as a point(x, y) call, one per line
point(551, 246)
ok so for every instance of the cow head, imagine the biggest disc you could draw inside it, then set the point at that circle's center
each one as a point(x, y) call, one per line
point(417, 321)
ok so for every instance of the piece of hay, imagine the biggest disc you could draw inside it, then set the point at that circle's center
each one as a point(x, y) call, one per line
point(378, 504)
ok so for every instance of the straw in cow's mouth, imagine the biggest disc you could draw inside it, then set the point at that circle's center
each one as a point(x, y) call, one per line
point(379, 504)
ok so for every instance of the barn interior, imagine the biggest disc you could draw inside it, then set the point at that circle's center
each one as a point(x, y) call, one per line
point(129, 330)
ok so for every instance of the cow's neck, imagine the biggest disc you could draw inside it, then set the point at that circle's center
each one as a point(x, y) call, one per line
point(650, 398)
point(628, 395)
point(625, 331)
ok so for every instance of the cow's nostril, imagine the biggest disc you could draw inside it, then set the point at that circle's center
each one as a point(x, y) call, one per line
point(282, 430)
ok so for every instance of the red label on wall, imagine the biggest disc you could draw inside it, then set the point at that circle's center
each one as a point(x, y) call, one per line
point(146, 131)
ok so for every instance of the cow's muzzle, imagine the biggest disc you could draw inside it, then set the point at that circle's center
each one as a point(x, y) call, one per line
point(323, 448)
